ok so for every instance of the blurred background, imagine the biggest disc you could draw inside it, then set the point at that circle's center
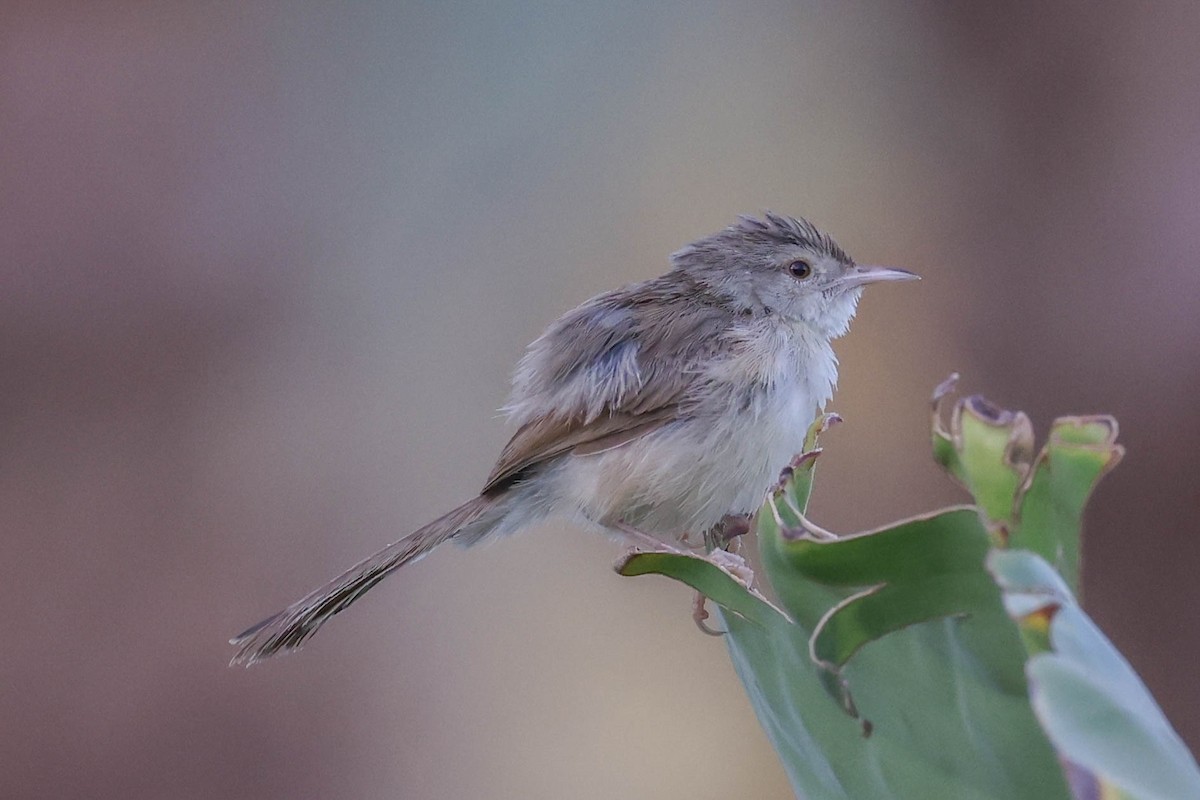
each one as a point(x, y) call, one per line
point(264, 269)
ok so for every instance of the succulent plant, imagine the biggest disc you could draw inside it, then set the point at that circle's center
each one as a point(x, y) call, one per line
point(946, 655)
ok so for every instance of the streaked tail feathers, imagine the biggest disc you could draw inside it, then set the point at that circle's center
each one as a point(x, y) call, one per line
point(289, 628)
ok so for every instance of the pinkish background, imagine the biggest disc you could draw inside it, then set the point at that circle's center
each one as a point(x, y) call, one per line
point(264, 269)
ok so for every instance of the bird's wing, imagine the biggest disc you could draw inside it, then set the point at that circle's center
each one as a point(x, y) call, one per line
point(551, 436)
point(617, 368)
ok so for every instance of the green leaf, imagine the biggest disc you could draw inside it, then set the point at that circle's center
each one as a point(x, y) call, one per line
point(917, 570)
point(932, 658)
point(909, 619)
point(1079, 452)
point(711, 580)
point(986, 448)
point(1093, 706)
point(798, 476)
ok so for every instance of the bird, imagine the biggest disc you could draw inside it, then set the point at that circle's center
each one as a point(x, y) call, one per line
point(659, 409)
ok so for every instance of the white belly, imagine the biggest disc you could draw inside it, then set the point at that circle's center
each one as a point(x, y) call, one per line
point(687, 476)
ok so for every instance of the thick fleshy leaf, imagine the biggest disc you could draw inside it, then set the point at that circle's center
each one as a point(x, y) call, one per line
point(801, 471)
point(1096, 710)
point(986, 448)
point(1030, 503)
point(706, 577)
point(943, 637)
point(937, 665)
point(945, 449)
point(917, 570)
point(1050, 505)
point(996, 446)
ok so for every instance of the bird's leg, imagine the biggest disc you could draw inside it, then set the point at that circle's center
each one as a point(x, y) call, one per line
point(736, 566)
point(722, 543)
point(724, 535)
point(700, 614)
point(641, 541)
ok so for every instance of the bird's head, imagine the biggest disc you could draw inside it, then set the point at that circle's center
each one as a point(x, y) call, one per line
point(783, 266)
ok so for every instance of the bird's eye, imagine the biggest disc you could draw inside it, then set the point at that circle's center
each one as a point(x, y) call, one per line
point(800, 268)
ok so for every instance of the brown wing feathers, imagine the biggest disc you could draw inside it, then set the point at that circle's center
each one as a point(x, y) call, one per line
point(605, 395)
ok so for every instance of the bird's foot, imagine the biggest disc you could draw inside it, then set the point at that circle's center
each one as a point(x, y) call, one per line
point(700, 614)
point(724, 535)
point(734, 564)
point(737, 567)
point(725, 559)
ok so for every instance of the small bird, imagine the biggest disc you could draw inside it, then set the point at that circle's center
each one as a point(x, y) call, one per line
point(651, 411)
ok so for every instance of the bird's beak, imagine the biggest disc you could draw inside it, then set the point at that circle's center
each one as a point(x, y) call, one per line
point(862, 275)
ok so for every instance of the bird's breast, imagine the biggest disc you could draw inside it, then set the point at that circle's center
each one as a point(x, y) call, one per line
point(764, 396)
point(745, 421)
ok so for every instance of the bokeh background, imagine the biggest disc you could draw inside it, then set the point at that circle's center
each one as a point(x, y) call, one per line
point(264, 268)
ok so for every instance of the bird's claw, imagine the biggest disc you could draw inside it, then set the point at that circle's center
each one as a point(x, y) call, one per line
point(734, 564)
point(738, 569)
point(700, 614)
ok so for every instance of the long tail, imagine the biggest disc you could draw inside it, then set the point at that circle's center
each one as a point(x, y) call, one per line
point(290, 627)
